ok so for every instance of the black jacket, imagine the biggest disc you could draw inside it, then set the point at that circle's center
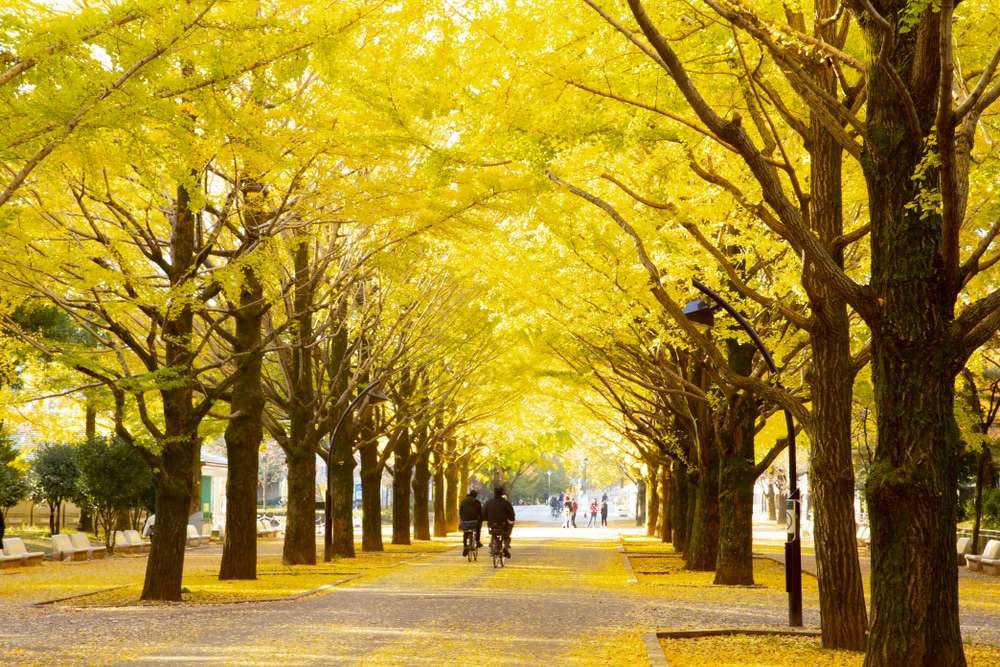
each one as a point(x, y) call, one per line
point(470, 509)
point(498, 510)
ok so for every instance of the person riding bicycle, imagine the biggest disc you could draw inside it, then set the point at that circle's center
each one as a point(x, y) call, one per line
point(499, 515)
point(470, 514)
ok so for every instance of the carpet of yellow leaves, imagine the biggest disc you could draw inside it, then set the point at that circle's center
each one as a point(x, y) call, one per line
point(91, 580)
point(778, 651)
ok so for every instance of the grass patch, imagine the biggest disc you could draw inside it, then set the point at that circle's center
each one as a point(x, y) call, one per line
point(779, 651)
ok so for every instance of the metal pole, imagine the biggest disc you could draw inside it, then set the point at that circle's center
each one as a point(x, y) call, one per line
point(328, 499)
point(793, 544)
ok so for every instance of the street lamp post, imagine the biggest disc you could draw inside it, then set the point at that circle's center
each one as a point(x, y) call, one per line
point(376, 397)
point(701, 312)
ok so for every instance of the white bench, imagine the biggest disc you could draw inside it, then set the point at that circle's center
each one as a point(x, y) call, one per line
point(194, 538)
point(989, 561)
point(123, 545)
point(864, 535)
point(962, 547)
point(63, 549)
point(265, 529)
point(135, 540)
point(13, 548)
point(82, 542)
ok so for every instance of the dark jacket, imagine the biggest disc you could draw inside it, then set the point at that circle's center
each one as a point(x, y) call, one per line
point(470, 509)
point(498, 510)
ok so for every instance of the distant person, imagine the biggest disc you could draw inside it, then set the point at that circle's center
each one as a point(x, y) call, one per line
point(592, 514)
point(3, 527)
point(567, 510)
point(499, 516)
point(470, 513)
point(604, 511)
point(149, 526)
point(574, 506)
point(554, 504)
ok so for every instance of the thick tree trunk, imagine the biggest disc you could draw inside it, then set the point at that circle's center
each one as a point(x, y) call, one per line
point(703, 539)
point(463, 482)
point(772, 510)
point(912, 482)
point(402, 478)
point(440, 526)
point(666, 523)
point(914, 564)
point(300, 448)
point(737, 475)
point(842, 605)
point(371, 500)
point(982, 479)
point(451, 496)
point(678, 506)
point(421, 497)
point(300, 521)
point(640, 502)
point(165, 566)
point(652, 502)
point(245, 431)
point(341, 482)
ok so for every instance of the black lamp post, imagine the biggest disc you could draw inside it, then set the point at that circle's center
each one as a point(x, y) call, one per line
point(376, 397)
point(701, 312)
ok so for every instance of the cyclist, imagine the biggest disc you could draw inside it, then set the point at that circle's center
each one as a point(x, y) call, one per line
point(499, 514)
point(470, 514)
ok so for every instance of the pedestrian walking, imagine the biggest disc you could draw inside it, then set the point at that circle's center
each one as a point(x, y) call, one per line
point(567, 510)
point(592, 514)
point(573, 507)
point(604, 511)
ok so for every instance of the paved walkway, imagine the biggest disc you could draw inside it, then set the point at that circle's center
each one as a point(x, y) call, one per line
point(563, 591)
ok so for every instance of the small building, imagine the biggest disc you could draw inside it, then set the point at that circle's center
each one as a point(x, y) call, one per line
point(214, 472)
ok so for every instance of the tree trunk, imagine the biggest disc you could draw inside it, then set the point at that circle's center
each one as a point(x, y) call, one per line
point(451, 496)
point(914, 564)
point(440, 526)
point(772, 510)
point(402, 478)
point(737, 475)
point(421, 497)
point(915, 277)
point(985, 465)
point(463, 482)
point(341, 483)
point(245, 431)
point(703, 539)
point(666, 523)
point(679, 505)
point(652, 501)
point(300, 447)
point(842, 604)
point(640, 502)
point(371, 499)
point(165, 566)
point(300, 520)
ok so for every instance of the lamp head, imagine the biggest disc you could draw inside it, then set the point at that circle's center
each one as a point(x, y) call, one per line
point(700, 312)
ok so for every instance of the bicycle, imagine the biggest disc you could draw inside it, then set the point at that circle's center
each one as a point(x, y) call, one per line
point(469, 544)
point(497, 547)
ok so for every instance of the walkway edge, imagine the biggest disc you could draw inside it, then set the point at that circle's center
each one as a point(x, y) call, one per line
point(625, 559)
point(654, 650)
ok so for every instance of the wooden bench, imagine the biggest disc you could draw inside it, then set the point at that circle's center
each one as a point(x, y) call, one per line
point(989, 561)
point(13, 548)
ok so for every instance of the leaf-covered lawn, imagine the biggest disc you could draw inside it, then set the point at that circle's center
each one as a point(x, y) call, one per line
point(777, 651)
